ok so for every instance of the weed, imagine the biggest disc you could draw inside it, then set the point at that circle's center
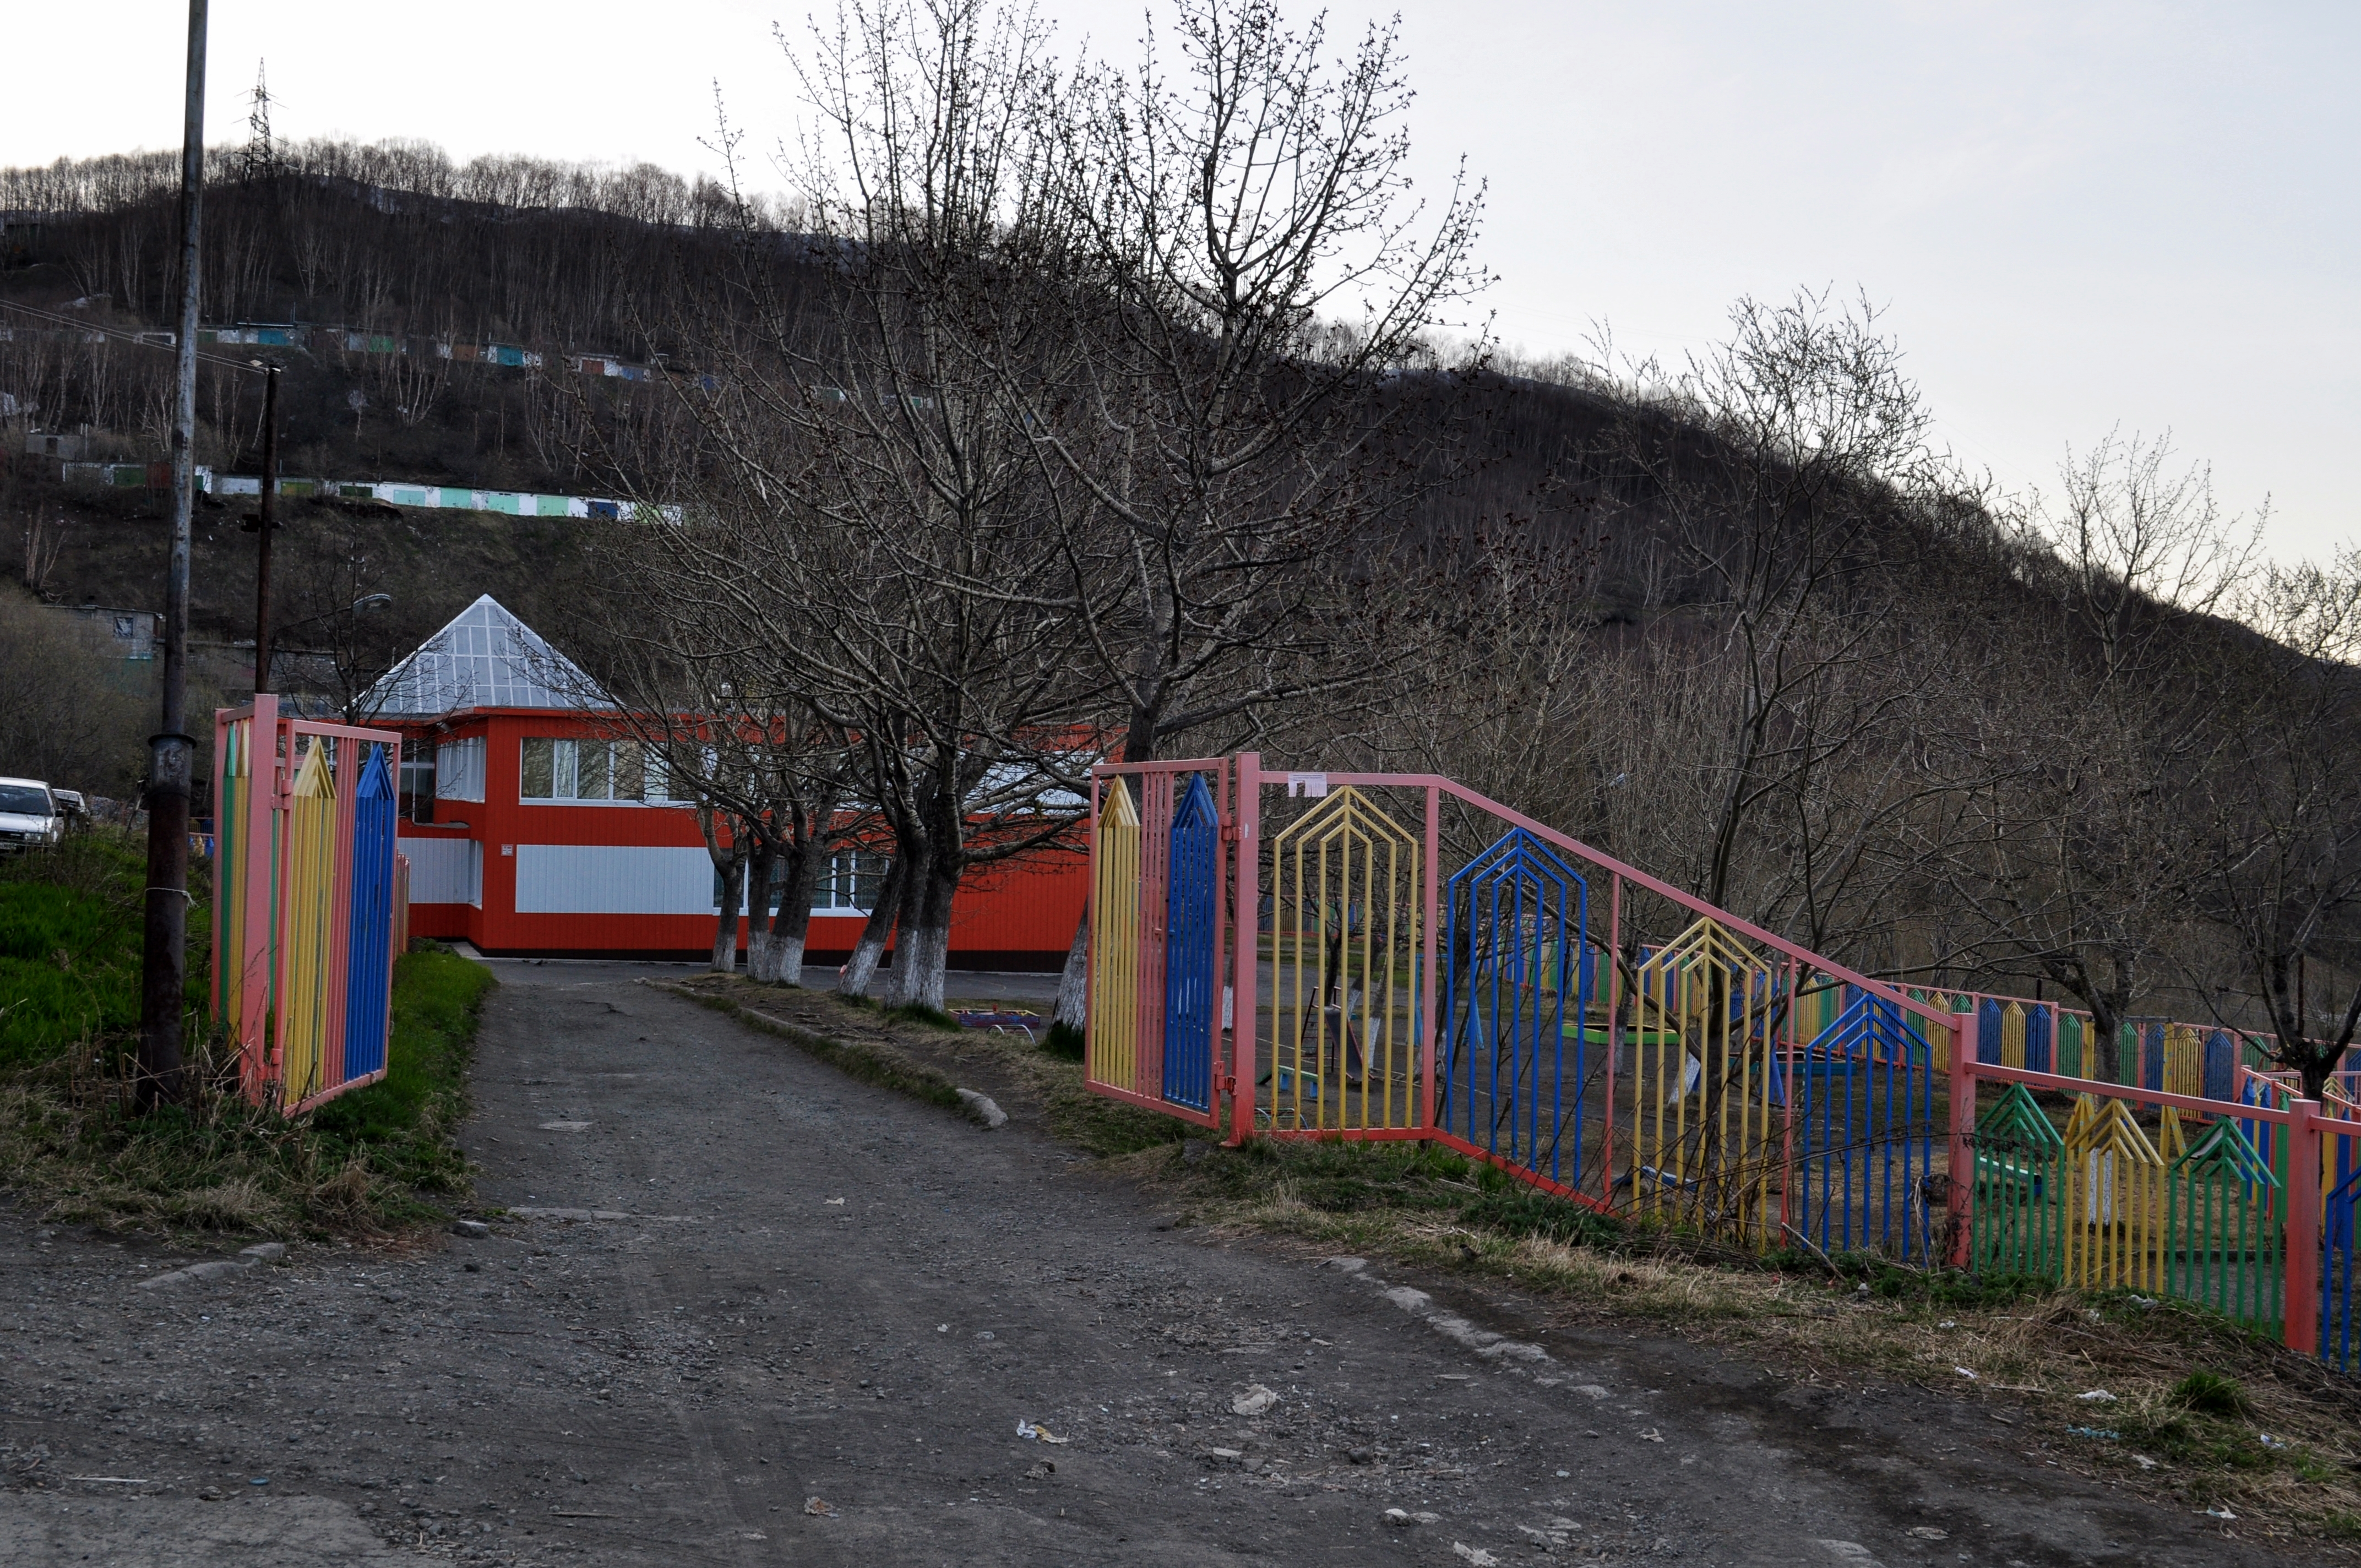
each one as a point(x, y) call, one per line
point(919, 1013)
point(2210, 1394)
point(1062, 1041)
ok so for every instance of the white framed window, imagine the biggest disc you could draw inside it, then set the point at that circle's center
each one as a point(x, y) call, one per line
point(851, 885)
point(550, 770)
point(459, 769)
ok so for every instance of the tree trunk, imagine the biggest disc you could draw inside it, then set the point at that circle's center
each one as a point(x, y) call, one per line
point(1073, 1005)
point(922, 950)
point(793, 923)
point(762, 950)
point(858, 969)
point(725, 923)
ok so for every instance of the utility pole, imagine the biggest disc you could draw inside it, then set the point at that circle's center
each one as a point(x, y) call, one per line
point(171, 752)
point(270, 369)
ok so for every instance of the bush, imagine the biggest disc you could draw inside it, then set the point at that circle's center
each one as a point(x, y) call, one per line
point(2210, 1394)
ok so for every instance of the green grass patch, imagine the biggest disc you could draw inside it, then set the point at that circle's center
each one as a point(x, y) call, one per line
point(70, 944)
point(2210, 1394)
point(369, 1162)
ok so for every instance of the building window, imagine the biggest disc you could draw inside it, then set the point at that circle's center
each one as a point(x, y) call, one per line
point(851, 884)
point(418, 780)
point(459, 769)
point(556, 770)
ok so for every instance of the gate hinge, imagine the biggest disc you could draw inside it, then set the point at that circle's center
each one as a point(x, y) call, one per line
point(1229, 832)
point(1229, 1083)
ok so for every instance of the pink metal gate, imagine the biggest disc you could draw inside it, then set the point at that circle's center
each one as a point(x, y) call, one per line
point(304, 894)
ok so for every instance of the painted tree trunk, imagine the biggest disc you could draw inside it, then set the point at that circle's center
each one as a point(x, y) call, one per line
point(762, 949)
point(725, 923)
point(1074, 980)
point(858, 969)
point(922, 949)
point(792, 925)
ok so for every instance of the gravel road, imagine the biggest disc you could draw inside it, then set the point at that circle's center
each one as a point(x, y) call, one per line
point(811, 1321)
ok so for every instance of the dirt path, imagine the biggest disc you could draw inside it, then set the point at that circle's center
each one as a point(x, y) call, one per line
point(820, 1290)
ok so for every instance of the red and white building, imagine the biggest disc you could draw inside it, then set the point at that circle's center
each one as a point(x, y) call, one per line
point(531, 832)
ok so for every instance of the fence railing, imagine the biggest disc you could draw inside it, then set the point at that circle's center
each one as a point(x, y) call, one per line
point(1380, 955)
point(307, 904)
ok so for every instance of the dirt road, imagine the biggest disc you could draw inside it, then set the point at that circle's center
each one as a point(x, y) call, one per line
point(814, 1316)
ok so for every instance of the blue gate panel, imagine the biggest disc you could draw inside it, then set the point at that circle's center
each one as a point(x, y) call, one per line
point(1190, 956)
point(367, 977)
point(1513, 915)
point(1866, 1133)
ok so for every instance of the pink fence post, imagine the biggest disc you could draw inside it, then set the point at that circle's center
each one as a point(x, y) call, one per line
point(265, 791)
point(2303, 1238)
point(1614, 1037)
point(1962, 1178)
point(1245, 1011)
point(1425, 999)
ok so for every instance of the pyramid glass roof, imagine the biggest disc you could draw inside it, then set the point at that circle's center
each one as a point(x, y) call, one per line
point(485, 658)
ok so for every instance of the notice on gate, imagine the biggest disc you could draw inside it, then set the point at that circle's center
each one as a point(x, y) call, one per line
point(1310, 786)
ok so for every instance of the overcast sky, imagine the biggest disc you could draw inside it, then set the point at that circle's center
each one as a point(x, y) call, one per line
point(2080, 215)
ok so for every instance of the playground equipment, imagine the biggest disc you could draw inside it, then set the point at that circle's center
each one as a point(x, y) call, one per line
point(1375, 955)
point(306, 901)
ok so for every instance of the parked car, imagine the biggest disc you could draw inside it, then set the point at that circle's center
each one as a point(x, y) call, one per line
point(72, 808)
point(29, 817)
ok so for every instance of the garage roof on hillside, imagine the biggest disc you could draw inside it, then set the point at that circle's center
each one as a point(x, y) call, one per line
point(485, 658)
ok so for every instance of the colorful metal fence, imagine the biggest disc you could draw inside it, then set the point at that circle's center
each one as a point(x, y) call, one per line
point(1397, 957)
point(306, 902)
point(1405, 959)
point(1159, 936)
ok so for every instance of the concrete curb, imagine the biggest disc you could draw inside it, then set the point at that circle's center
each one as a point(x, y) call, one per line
point(1420, 1305)
point(218, 1269)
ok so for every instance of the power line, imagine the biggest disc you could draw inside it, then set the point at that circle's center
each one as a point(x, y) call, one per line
point(136, 340)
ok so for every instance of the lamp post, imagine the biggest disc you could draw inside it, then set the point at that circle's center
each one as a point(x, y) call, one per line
point(269, 368)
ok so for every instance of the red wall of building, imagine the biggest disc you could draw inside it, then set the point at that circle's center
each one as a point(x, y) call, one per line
point(1019, 915)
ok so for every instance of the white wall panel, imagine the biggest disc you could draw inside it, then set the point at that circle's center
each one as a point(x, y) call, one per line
point(448, 871)
point(588, 879)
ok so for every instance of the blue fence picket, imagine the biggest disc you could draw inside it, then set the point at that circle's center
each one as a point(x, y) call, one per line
point(1863, 1092)
point(1190, 956)
point(1510, 1025)
point(374, 806)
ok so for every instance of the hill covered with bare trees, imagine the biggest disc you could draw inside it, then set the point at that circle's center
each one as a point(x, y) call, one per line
point(1069, 407)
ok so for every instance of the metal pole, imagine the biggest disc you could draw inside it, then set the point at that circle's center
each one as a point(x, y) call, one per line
point(171, 752)
point(270, 499)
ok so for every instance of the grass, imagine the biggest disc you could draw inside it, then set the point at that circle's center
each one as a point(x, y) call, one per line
point(69, 940)
point(72, 1149)
point(369, 1163)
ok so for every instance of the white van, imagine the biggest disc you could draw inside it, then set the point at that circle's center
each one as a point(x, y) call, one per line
point(29, 817)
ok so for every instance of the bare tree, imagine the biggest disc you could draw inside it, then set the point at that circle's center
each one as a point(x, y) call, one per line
point(2285, 866)
point(2081, 856)
point(1254, 288)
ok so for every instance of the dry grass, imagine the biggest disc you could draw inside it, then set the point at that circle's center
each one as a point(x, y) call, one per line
point(370, 1163)
point(2033, 1350)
